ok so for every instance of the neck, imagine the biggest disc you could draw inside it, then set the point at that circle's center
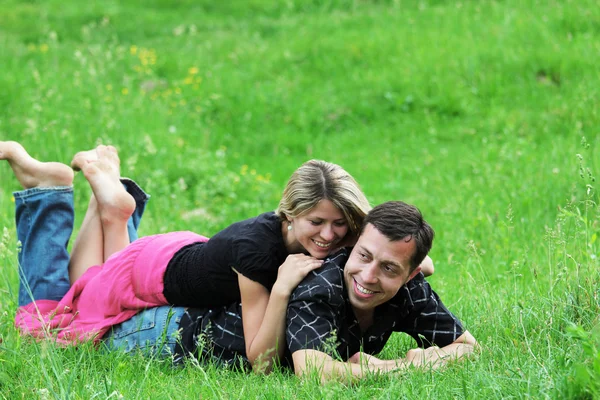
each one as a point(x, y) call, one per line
point(289, 239)
point(364, 317)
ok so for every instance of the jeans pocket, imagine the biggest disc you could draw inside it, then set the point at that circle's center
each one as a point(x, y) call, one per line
point(152, 331)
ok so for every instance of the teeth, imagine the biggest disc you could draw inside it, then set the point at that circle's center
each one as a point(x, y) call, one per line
point(363, 289)
point(322, 245)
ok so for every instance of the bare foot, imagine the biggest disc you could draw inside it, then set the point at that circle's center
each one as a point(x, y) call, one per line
point(101, 169)
point(85, 157)
point(31, 172)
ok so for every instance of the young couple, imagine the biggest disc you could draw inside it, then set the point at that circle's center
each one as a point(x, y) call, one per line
point(182, 294)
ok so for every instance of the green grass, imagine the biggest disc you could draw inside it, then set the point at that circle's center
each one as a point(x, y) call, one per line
point(476, 111)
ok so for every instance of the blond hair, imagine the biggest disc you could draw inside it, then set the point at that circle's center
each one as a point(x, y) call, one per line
point(316, 180)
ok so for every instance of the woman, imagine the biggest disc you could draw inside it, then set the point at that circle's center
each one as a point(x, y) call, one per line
point(257, 261)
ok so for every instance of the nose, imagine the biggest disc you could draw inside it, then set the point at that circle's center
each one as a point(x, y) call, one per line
point(369, 273)
point(327, 233)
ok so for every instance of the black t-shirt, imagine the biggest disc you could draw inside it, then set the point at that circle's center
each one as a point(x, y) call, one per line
point(202, 274)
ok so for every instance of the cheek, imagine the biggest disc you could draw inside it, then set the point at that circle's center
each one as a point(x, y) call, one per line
point(351, 265)
point(341, 231)
point(304, 232)
point(348, 272)
point(392, 285)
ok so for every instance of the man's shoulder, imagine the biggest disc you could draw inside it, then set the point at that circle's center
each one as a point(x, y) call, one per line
point(414, 294)
point(326, 283)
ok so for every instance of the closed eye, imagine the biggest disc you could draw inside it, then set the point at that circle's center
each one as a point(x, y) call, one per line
point(390, 269)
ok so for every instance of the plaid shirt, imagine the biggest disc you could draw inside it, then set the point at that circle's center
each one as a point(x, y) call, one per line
point(215, 334)
point(320, 316)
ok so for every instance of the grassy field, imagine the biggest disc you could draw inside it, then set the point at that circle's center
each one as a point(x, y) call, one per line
point(485, 114)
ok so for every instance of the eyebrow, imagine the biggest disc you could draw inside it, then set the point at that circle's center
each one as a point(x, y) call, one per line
point(386, 262)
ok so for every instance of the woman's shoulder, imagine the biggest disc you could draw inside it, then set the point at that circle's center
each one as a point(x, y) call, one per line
point(262, 230)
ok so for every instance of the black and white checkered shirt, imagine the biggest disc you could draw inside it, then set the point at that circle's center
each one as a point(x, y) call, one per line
point(320, 317)
point(215, 335)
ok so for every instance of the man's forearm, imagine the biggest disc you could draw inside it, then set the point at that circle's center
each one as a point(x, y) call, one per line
point(433, 357)
point(307, 362)
point(362, 364)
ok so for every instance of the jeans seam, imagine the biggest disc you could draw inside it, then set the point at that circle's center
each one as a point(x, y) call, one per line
point(23, 194)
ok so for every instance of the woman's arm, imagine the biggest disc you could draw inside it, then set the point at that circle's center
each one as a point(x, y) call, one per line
point(427, 266)
point(263, 314)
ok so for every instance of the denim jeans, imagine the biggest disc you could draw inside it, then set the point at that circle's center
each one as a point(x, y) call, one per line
point(154, 332)
point(44, 218)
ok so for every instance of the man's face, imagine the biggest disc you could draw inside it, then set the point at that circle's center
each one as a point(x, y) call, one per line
point(376, 270)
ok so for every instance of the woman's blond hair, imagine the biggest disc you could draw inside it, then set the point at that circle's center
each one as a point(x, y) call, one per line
point(316, 180)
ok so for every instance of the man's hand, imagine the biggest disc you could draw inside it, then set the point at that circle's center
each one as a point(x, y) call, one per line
point(432, 357)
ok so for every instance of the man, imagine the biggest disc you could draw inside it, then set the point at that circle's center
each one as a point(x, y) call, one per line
point(357, 301)
point(345, 311)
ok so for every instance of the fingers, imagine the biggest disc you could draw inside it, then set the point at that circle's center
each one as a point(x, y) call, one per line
point(299, 257)
point(295, 268)
point(302, 261)
point(312, 265)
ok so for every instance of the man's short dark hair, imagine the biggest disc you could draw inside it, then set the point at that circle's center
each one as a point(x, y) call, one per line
point(397, 220)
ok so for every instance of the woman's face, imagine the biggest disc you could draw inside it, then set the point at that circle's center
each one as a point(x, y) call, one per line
point(319, 230)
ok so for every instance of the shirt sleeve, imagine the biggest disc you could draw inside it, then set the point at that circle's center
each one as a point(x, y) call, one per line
point(313, 315)
point(256, 261)
point(429, 322)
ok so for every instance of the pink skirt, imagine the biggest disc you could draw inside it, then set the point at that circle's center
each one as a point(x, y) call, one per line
point(128, 282)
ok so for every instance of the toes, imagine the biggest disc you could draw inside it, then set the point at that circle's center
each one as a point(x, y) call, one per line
point(79, 161)
point(111, 154)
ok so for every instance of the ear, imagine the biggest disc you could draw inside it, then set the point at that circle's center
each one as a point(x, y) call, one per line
point(414, 273)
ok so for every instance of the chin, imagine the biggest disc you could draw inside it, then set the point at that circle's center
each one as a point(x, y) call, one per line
point(319, 252)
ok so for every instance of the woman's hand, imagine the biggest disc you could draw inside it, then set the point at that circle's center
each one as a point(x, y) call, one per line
point(293, 271)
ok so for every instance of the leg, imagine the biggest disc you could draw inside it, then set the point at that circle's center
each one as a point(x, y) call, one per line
point(44, 217)
point(105, 227)
point(140, 197)
point(88, 249)
point(33, 173)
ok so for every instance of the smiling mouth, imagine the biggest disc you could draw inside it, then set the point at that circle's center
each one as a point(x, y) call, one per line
point(322, 245)
point(363, 289)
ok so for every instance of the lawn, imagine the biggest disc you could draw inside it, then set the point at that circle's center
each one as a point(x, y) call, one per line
point(484, 114)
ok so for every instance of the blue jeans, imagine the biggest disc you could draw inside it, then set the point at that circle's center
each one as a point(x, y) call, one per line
point(44, 218)
point(154, 331)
